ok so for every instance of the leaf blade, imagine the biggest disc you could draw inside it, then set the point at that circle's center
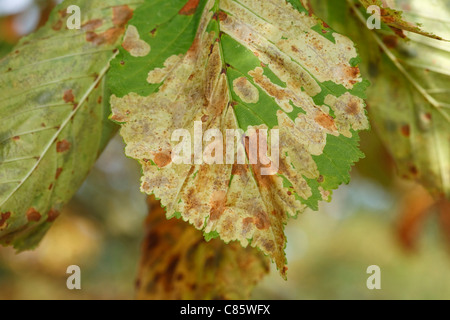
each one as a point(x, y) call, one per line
point(53, 113)
point(247, 68)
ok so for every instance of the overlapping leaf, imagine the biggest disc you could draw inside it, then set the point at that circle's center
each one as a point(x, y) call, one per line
point(239, 65)
point(53, 115)
point(395, 20)
point(409, 99)
point(178, 264)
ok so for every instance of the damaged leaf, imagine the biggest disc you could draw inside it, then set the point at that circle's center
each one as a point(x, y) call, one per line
point(177, 264)
point(54, 107)
point(248, 65)
point(395, 20)
point(409, 98)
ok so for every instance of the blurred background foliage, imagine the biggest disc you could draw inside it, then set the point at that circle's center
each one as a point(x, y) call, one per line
point(377, 219)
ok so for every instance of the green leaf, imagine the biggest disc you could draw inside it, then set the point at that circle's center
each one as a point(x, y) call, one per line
point(53, 115)
point(409, 97)
point(239, 65)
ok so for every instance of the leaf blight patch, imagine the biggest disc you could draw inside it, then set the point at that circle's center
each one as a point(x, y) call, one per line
point(249, 65)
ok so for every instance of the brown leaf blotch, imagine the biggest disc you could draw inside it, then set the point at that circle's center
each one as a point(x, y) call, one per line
point(352, 108)
point(262, 221)
point(68, 96)
point(58, 25)
point(58, 173)
point(3, 217)
point(326, 121)
point(62, 146)
point(222, 16)
point(189, 8)
point(163, 159)
point(121, 15)
point(218, 204)
point(91, 25)
point(52, 215)
point(406, 130)
point(390, 41)
point(33, 215)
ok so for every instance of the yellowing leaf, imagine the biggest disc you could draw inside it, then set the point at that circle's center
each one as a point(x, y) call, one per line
point(249, 65)
point(54, 109)
point(178, 264)
point(394, 19)
point(409, 97)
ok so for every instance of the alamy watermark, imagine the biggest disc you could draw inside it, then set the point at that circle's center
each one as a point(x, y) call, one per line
point(374, 21)
point(74, 280)
point(224, 150)
point(374, 281)
point(74, 21)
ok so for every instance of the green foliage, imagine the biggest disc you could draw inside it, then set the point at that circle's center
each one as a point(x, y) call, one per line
point(54, 115)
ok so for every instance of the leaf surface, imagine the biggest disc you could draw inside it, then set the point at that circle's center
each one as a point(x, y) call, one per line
point(54, 109)
point(240, 65)
point(178, 264)
point(395, 20)
point(409, 98)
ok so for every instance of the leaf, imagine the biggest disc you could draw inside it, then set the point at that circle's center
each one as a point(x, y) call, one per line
point(177, 264)
point(53, 115)
point(394, 19)
point(409, 97)
point(240, 65)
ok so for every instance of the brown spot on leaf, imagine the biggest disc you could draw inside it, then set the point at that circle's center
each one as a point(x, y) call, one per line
point(352, 108)
point(16, 138)
point(99, 100)
point(262, 221)
point(239, 169)
point(218, 204)
point(58, 25)
point(222, 16)
point(390, 41)
point(3, 217)
point(163, 159)
point(326, 121)
point(246, 91)
point(110, 36)
point(50, 187)
point(33, 215)
point(58, 173)
point(246, 224)
point(352, 72)
point(63, 146)
point(406, 130)
point(68, 96)
point(62, 13)
point(189, 8)
point(53, 214)
point(121, 15)
point(92, 25)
